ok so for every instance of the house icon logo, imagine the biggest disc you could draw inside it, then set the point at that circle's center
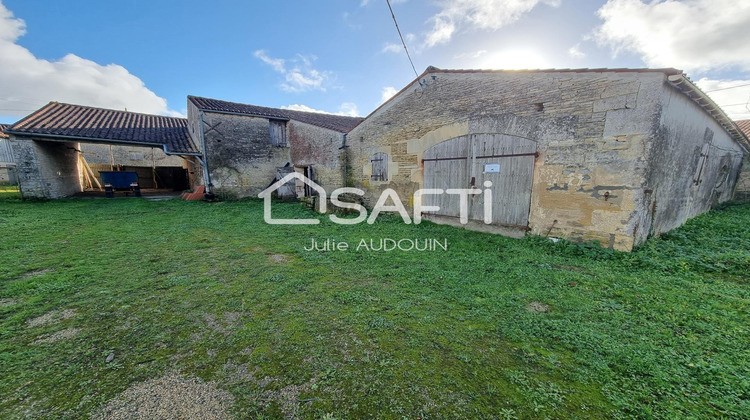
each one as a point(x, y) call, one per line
point(267, 194)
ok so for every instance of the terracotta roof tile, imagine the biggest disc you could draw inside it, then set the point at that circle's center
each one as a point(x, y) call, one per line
point(338, 123)
point(4, 127)
point(744, 126)
point(57, 120)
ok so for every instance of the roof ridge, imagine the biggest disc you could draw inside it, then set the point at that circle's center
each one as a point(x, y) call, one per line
point(333, 122)
point(97, 108)
point(283, 110)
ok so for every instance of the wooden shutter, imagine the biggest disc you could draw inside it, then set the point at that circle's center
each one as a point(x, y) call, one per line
point(278, 133)
point(379, 163)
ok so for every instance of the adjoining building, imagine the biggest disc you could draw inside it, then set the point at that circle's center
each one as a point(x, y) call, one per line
point(7, 162)
point(592, 154)
point(248, 147)
point(54, 145)
point(742, 191)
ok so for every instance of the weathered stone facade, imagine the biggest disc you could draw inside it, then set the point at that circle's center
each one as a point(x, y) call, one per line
point(242, 160)
point(743, 183)
point(46, 169)
point(606, 141)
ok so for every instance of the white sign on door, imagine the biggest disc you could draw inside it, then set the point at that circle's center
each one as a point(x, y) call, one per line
point(492, 168)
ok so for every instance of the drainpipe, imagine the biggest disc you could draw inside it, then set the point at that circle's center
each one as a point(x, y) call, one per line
point(345, 160)
point(205, 156)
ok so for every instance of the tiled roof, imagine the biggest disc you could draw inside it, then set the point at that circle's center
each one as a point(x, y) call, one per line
point(667, 71)
point(338, 123)
point(58, 120)
point(744, 126)
point(3, 127)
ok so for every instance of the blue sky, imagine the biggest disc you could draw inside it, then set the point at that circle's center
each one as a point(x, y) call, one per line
point(343, 56)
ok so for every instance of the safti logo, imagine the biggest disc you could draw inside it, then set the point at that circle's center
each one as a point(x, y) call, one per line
point(397, 206)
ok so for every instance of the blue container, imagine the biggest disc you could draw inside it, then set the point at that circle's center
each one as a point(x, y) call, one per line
point(119, 179)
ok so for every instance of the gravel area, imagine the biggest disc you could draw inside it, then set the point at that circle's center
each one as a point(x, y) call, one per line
point(172, 397)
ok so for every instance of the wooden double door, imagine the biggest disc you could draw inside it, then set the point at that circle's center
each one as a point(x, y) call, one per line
point(469, 161)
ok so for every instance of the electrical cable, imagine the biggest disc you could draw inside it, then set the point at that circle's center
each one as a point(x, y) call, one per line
point(402, 38)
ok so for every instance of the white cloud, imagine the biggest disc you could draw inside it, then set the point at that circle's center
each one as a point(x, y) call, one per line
point(456, 15)
point(29, 82)
point(694, 35)
point(299, 74)
point(348, 109)
point(575, 51)
point(387, 93)
point(393, 48)
point(516, 59)
point(470, 55)
point(735, 101)
point(277, 64)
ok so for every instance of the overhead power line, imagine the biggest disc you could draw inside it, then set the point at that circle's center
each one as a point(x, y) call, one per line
point(402, 38)
point(726, 88)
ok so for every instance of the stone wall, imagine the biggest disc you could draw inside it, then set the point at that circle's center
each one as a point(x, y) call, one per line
point(241, 159)
point(742, 191)
point(594, 133)
point(683, 185)
point(46, 169)
point(320, 148)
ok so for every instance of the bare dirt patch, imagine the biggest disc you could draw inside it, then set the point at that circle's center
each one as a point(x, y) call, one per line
point(537, 307)
point(287, 398)
point(169, 397)
point(225, 325)
point(5, 303)
point(57, 336)
point(35, 273)
point(51, 318)
point(280, 259)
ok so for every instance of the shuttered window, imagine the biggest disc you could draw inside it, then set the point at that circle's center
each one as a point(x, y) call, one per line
point(278, 133)
point(379, 163)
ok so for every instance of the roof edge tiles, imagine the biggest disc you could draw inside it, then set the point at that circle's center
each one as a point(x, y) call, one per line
point(58, 120)
point(338, 123)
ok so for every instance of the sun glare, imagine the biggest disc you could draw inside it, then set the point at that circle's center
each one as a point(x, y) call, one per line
point(514, 60)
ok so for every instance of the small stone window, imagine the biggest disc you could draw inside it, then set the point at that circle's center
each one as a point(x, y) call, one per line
point(379, 163)
point(278, 133)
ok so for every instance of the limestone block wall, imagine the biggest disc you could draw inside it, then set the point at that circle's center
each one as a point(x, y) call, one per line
point(591, 128)
point(46, 169)
point(241, 159)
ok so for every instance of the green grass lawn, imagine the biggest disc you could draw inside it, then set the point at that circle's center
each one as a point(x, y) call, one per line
point(491, 328)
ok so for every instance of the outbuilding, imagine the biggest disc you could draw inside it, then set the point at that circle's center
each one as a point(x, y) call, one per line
point(613, 155)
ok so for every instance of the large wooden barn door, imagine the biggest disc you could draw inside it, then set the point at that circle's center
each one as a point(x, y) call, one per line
point(469, 161)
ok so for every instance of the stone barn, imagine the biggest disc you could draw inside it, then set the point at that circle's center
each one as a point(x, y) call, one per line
point(48, 146)
point(613, 155)
point(248, 147)
point(7, 162)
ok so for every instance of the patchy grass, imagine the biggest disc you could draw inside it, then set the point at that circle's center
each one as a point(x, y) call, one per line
point(491, 328)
